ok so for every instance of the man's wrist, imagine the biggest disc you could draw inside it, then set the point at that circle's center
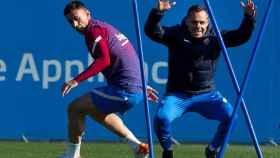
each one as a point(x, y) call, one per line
point(73, 82)
point(250, 15)
point(158, 11)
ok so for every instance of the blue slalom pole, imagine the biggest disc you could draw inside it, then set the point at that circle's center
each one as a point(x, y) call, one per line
point(144, 85)
point(233, 77)
point(249, 70)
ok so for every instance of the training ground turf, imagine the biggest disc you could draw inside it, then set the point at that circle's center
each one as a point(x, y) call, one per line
point(119, 150)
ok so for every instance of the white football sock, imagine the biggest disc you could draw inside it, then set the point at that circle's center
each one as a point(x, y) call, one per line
point(132, 141)
point(73, 149)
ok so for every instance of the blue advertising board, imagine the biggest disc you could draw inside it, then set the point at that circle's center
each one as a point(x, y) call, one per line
point(39, 51)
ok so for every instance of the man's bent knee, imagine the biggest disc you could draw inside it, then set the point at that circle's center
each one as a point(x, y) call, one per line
point(161, 121)
point(81, 104)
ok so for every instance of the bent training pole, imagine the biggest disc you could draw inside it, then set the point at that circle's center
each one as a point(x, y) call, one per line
point(247, 118)
point(144, 85)
point(248, 74)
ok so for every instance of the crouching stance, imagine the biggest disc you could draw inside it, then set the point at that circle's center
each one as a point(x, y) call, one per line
point(193, 53)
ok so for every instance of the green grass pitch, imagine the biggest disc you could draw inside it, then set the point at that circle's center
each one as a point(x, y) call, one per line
point(10, 149)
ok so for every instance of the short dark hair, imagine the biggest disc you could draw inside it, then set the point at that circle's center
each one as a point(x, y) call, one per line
point(72, 6)
point(196, 8)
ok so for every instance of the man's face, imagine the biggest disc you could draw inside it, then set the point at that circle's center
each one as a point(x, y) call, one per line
point(79, 18)
point(197, 23)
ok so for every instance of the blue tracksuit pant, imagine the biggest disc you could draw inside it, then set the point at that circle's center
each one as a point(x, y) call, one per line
point(211, 105)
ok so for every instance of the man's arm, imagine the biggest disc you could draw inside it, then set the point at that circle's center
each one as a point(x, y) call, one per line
point(153, 29)
point(243, 33)
point(100, 63)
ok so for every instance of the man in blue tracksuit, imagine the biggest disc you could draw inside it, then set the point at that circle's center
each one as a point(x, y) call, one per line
point(193, 53)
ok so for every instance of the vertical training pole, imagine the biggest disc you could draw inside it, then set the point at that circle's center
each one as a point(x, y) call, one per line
point(144, 85)
point(248, 72)
point(233, 77)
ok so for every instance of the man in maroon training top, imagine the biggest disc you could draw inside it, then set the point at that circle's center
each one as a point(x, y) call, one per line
point(116, 59)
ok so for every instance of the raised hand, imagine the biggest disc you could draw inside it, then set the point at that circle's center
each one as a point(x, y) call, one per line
point(164, 5)
point(249, 8)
